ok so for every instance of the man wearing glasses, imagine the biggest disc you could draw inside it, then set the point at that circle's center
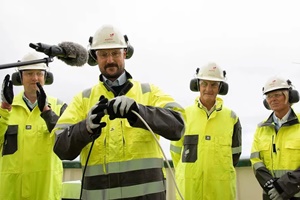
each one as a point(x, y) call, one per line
point(119, 155)
point(205, 157)
point(29, 169)
point(275, 154)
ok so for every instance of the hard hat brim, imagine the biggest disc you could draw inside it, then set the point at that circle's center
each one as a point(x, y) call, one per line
point(275, 89)
point(107, 46)
point(211, 79)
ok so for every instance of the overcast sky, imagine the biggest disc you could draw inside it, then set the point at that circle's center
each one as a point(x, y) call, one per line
point(250, 39)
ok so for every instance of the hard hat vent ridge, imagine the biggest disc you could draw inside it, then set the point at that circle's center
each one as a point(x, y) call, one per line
point(108, 37)
point(211, 72)
point(276, 83)
point(33, 56)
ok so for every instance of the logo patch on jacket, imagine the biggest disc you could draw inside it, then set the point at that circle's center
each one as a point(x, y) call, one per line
point(207, 137)
point(28, 127)
point(186, 153)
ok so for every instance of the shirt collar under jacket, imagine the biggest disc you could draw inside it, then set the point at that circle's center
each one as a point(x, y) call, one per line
point(208, 112)
point(278, 122)
point(28, 102)
point(120, 81)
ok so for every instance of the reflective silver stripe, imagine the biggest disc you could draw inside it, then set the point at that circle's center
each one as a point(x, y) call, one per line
point(59, 131)
point(258, 165)
point(117, 167)
point(145, 88)
point(254, 155)
point(173, 105)
point(236, 150)
point(125, 192)
point(175, 149)
point(61, 128)
point(233, 115)
point(86, 93)
point(279, 173)
point(183, 130)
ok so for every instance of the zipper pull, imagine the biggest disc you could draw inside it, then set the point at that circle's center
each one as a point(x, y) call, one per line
point(273, 145)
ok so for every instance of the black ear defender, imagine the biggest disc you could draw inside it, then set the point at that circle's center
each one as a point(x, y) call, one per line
point(223, 88)
point(92, 59)
point(129, 49)
point(293, 95)
point(16, 78)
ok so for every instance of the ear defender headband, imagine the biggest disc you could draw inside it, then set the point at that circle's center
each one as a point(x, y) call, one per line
point(92, 58)
point(293, 95)
point(194, 84)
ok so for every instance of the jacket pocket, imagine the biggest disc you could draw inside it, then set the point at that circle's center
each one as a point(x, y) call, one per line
point(293, 150)
point(190, 148)
point(10, 145)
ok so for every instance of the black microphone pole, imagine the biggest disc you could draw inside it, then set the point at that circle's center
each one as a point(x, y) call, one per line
point(31, 62)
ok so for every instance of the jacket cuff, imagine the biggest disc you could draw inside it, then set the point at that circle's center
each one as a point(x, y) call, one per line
point(278, 187)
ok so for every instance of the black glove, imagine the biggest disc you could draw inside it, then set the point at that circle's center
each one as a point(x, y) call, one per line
point(269, 185)
point(7, 93)
point(41, 97)
point(93, 120)
point(122, 107)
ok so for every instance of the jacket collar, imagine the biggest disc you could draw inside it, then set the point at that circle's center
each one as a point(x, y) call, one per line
point(291, 120)
point(128, 76)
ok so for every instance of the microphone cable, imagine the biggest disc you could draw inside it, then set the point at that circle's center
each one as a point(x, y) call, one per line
point(161, 149)
point(165, 157)
point(86, 162)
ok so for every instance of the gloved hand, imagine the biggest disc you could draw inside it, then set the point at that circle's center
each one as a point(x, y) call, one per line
point(7, 93)
point(41, 97)
point(122, 107)
point(269, 185)
point(93, 120)
point(274, 195)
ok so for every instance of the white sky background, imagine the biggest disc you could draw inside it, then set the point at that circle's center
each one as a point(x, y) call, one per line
point(251, 40)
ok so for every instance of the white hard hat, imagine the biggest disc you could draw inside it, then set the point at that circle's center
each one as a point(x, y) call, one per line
point(276, 83)
point(108, 37)
point(33, 56)
point(211, 72)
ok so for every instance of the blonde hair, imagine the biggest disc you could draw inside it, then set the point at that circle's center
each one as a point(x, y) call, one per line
point(286, 94)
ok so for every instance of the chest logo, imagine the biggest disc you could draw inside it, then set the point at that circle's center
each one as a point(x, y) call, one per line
point(28, 127)
point(207, 137)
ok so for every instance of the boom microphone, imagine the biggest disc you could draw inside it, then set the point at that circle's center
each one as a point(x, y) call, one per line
point(71, 53)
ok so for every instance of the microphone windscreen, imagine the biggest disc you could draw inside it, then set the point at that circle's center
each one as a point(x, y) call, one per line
point(75, 54)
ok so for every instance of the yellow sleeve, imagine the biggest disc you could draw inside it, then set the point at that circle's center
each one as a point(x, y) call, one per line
point(4, 116)
point(175, 150)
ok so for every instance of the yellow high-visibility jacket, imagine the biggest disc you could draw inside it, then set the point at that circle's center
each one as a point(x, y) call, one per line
point(205, 157)
point(125, 161)
point(276, 154)
point(29, 169)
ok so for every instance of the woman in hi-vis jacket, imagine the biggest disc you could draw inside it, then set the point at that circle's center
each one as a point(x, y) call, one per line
point(275, 154)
